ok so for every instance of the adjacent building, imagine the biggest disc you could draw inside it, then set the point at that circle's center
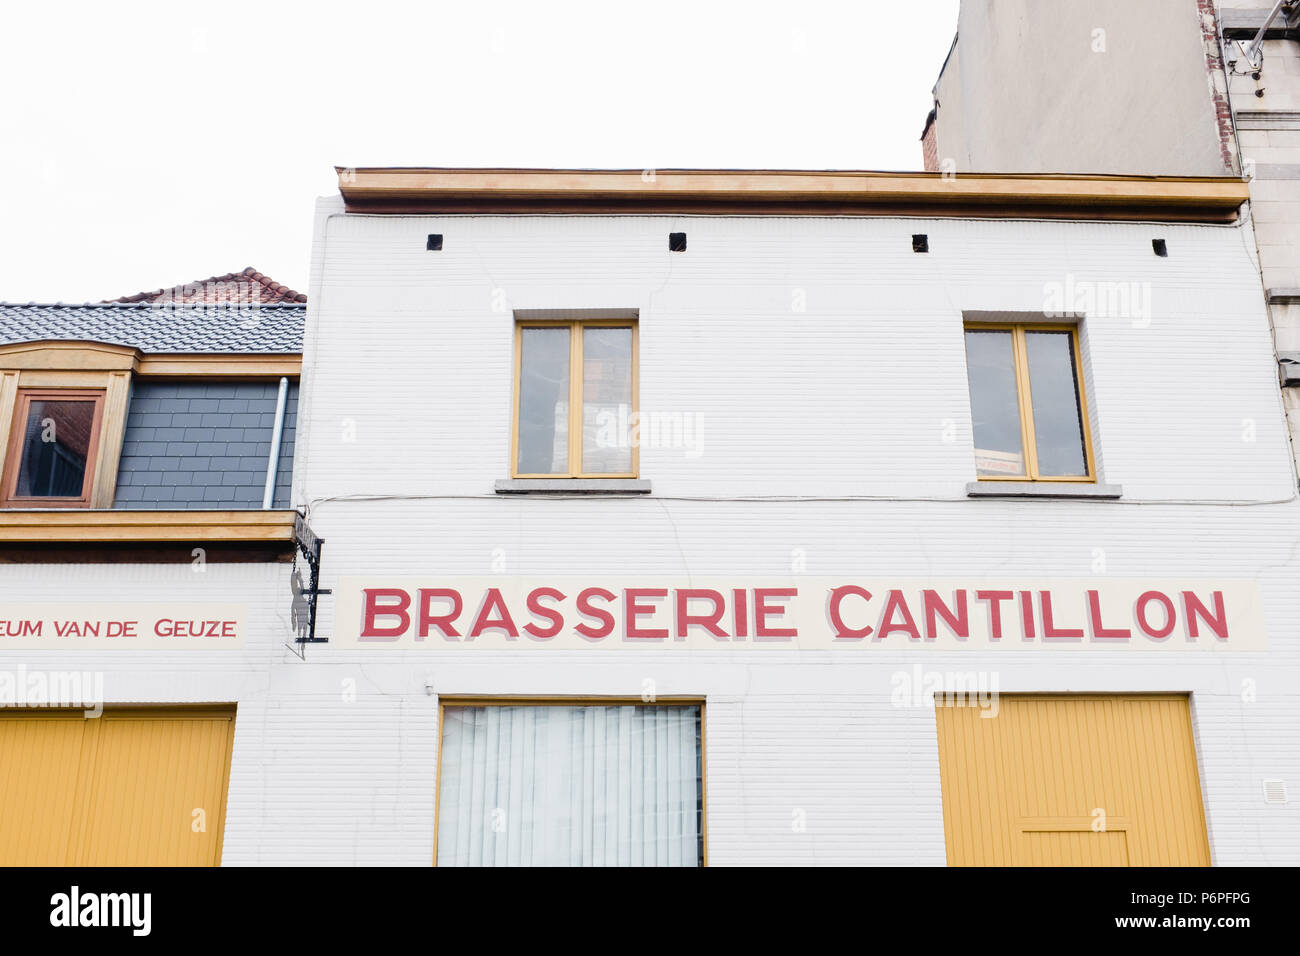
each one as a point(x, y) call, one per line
point(1105, 87)
point(1162, 87)
point(147, 570)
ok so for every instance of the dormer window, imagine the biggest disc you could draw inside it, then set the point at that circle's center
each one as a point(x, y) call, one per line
point(53, 444)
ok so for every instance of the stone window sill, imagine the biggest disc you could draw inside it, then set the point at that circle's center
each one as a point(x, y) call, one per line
point(573, 486)
point(1043, 489)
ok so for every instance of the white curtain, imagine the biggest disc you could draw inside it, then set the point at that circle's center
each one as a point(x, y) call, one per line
point(569, 786)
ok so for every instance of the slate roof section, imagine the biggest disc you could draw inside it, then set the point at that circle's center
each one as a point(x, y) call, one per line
point(243, 288)
point(254, 329)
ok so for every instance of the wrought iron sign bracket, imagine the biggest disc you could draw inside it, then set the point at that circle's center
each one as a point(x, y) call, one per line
point(306, 589)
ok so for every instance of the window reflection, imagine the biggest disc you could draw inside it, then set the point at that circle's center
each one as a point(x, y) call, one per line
point(995, 405)
point(1054, 385)
point(544, 401)
point(55, 448)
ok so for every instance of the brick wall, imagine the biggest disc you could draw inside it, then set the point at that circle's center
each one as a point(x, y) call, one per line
point(930, 145)
point(203, 446)
point(1217, 82)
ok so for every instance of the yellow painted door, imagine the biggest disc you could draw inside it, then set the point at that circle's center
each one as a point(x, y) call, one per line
point(1071, 780)
point(130, 788)
point(39, 756)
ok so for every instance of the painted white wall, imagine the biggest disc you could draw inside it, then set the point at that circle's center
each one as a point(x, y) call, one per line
point(862, 393)
point(862, 397)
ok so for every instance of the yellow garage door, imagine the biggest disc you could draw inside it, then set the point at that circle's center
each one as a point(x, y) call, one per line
point(130, 788)
point(1076, 780)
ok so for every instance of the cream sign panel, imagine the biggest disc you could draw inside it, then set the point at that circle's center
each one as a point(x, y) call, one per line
point(810, 613)
point(155, 627)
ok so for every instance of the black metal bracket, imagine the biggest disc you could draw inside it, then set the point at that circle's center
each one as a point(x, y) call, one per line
point(307, 549)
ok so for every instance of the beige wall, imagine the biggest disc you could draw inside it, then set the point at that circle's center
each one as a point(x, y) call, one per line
point(1025, 90)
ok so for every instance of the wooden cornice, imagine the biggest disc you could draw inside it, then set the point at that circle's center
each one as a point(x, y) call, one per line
point(788, 192)
point(233, 365)
point(84, 356)
point(42, 527)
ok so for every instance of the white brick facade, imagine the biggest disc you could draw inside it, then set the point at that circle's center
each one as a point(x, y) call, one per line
point(839, 433)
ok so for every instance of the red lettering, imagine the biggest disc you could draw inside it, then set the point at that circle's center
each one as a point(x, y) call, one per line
point(1050, 631)
point(958, 624)
point(370, 629)
point(443, 622)
point(710, 622)
point(493, 601)
point(842, 630)
point(549, 613)
point(995, 599)
point(896, 602)
point(1170, 616)
point(1195, 609)
point(1027, 614)
point(169, 627)
point(632, 610)
point(740, 613)
point(585, 608)
point(1098, 631)
point(762, 609)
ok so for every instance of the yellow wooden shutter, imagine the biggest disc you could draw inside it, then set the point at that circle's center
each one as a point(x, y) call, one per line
point(1071, 780)
point(39, 757)
point(121, 790)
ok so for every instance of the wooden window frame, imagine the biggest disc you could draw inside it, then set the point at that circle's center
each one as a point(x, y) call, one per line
point(496, 700)
point(1024, 396)
point(13, 454)
point(575, 327)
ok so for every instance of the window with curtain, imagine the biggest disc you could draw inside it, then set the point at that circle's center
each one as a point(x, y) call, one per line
point(562, 785)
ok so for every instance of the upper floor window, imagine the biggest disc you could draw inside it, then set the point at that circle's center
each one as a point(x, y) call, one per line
point(575, 399)
point(52, 448)
point(1028, 406)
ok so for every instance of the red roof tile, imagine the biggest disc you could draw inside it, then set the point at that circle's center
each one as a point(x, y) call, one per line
point(240, 288)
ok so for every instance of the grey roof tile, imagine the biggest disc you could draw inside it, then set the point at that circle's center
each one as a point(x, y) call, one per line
point(265, 329)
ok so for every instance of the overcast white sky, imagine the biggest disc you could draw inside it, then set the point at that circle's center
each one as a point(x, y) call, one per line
point(149, 144)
